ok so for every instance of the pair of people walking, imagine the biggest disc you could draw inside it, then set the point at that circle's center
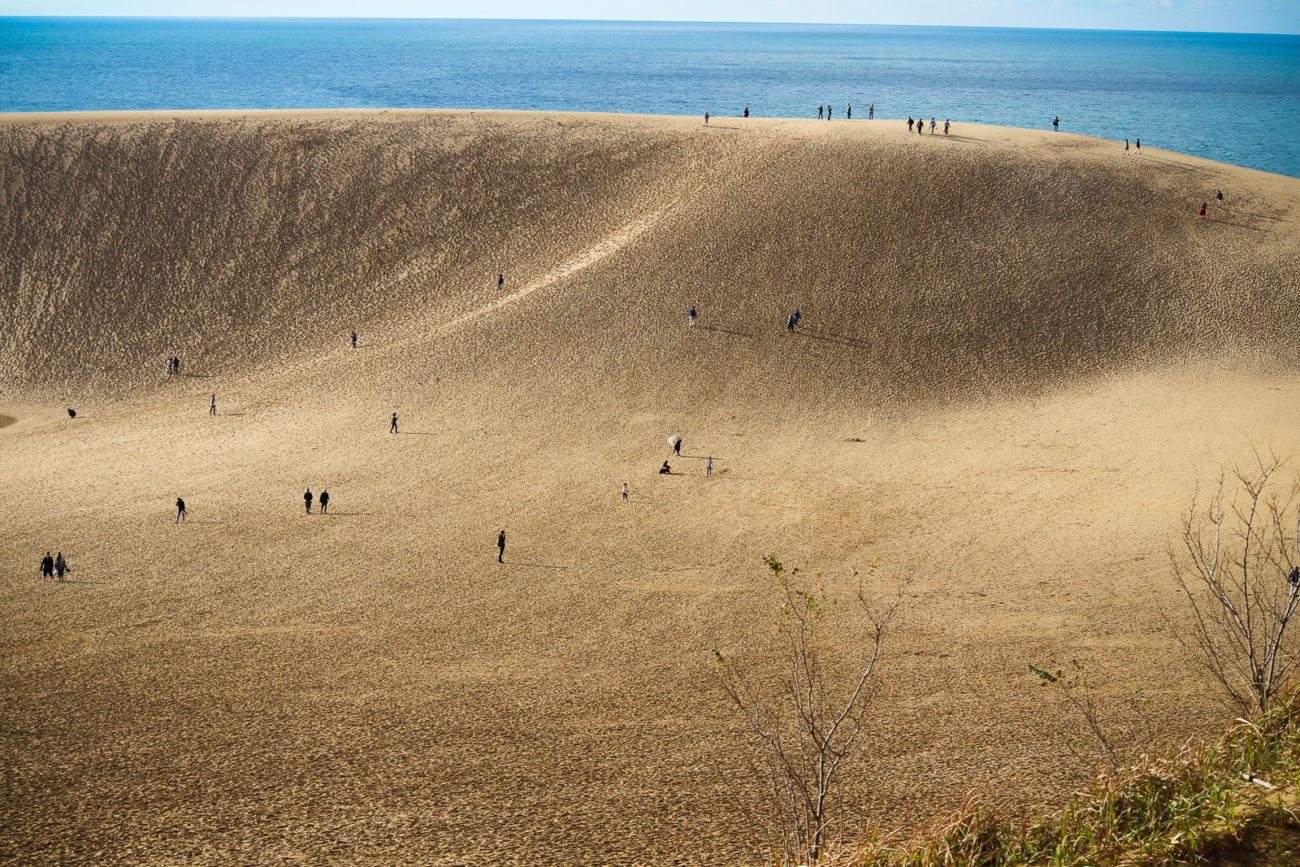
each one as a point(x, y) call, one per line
point(324, 501)
point(51, 566)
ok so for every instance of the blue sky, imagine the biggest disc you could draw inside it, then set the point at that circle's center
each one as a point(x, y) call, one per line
point(1258, 16)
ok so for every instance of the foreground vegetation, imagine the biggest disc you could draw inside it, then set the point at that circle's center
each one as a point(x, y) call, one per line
point(1230, 802)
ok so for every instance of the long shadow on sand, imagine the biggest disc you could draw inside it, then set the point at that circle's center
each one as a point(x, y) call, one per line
point(534, 565)
point(344, 514)
point(725, 331)
point(827, 336)
point(415, 433)
point(1238, 225)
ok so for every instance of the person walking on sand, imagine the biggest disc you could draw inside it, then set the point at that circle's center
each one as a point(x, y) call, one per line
point(909, 123)
point(60, 566)
point(501, 547)
point(1203, 204)
point(871, 111)
point(829, 109)
point(746, 114)
point(306, 498)
point(1056, 123)
point(820, 112)
point(324, 502)
point(1219, 196)
point(212, 405)
point(691, 317)
point(848, 113)
point(945, 127)
point(501, 281)
point(180, 510)
point(393, 427)
point(708, 467)
point(354, 340)
point(1126, 146)
point(706, 118)
point(47, 566)
point(677, 445)
point(1137, 145)
point(932, 125)
point(625, 492)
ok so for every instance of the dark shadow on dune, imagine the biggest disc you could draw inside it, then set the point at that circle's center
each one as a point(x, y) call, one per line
point(1234, 212)
point(535, 565)
point(344, 514)
point(80, 581)
point(834, 338)
point(233, 414)
point(6, 420)
point(1237, 225)
point(716, 126)
point(197, 521)
point(194, 375)
point(414, 433)
point(725, 331)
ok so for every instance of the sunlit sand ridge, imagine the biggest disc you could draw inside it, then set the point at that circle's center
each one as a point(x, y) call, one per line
point(1020, 352)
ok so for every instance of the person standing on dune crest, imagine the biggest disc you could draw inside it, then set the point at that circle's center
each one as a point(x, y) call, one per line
point(212, 405)
point(324, 502)
point(393, 427)
point(180, 510)
point(501, 547)
point(706, 118)
point(306, 498)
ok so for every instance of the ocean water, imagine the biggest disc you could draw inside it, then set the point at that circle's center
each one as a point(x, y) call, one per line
point(1228, 97)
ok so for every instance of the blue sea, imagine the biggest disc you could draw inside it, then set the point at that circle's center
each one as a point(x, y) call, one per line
point(1228, 97)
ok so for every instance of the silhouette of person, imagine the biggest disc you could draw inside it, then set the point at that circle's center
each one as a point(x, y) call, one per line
point(1056, 123)
point(909, 123)
point(212, 405)
point(746, 111)
point(306, 498)
point(501, 281)
point(848, 114)
point(677, 446)
point(180, 510)
point(393, 427)
point(945, 127)
point(47, 566)
point(324, 502)
point(821, 110)
point(60, 565)
point(871, 111)
point(692, 317)
point(501, 547)
point(708, 467)
point(706, 118)
point(625, 492)
point(354, 340)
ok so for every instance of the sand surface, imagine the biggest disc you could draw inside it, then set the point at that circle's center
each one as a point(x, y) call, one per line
point(1021, 353)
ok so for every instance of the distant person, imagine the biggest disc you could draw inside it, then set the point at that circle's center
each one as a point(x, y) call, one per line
point(1056, 123)
point(212, 405)
point(1137, 145)
point(820, 112)
point(324, 502)
point(691, 317)
point(706, 118)
point(945, 127)
point(848, 113)
point(1125, 145)
point(501, 547)
point(920, 126)
point(47, 566)
point(354, 340)
point(72, 413)
point(932, 125)
point(176, 364)
point(625, 492)
point(180, 510)
point(501, 281)
point(1203, 204)
point(60, 566)
point(791, 323)
point(664, 469)
point(829, 110)
point(708, 467)
point(1219, 196)
point(871, 111)
point(909, 123)
point(746, 114)
point(393, 427)
point(306, 499)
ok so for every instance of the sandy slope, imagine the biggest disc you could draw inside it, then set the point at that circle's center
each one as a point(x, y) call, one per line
point(1021, 354)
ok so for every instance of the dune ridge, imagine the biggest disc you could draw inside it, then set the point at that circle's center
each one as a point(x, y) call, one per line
point(1020, 354)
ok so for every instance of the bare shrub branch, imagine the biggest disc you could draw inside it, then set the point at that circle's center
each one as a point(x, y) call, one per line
point(806, 711)
point(1236, 565)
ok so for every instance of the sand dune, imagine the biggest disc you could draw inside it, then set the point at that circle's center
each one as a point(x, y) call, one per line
point(1020, 353)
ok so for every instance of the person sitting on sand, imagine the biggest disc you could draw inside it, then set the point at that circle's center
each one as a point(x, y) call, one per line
point(664, 469)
